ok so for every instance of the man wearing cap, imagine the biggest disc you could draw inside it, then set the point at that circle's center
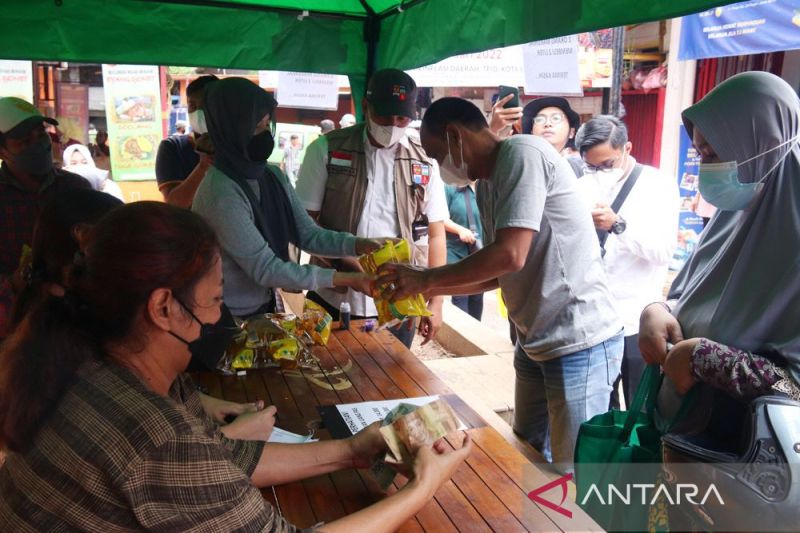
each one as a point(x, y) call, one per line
point(27, 178)
point(553, 119)
point(373, 180)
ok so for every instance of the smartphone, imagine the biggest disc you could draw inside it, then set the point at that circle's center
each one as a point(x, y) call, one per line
point(505, 90)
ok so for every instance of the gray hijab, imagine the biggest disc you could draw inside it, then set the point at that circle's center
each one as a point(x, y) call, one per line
point(741, 287)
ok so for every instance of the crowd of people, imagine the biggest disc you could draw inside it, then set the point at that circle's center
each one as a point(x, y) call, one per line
point(105, 306)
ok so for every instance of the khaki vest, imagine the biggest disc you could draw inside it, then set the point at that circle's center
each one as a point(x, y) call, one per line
point(346, 187)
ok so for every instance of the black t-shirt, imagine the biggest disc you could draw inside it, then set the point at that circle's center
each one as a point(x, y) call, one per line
point(175, 160)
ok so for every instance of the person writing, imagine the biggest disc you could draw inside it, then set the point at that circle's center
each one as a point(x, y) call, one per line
point(106, 432)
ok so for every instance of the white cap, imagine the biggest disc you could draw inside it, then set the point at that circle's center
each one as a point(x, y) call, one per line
point(347, 120)
point(16, 111)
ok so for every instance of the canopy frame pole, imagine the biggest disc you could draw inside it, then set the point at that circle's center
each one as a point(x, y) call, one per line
point(616, 80)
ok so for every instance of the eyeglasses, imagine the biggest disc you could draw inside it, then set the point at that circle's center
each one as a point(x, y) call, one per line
point(555, 118)
point(605, 167)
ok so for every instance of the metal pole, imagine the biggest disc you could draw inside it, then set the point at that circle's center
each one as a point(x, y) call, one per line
point(618, 37)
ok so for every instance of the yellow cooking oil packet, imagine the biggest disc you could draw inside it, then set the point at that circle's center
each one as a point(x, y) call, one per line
point(399, 310)
point(315, 322)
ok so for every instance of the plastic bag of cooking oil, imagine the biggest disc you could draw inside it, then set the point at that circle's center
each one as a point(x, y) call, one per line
point(267, 340)
point(390, 313)
point(315, 323)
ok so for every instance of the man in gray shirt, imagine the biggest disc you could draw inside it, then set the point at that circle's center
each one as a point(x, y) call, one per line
point(541, 250)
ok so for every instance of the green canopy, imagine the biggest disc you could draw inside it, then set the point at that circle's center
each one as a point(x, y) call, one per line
point(336, 36)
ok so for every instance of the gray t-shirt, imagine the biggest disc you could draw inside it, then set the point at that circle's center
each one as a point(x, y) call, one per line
point(559, 301)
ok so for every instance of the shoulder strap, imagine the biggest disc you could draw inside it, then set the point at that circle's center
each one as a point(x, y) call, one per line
point(602, 235)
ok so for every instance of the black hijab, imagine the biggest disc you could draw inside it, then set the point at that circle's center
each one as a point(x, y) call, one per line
point(233, 107)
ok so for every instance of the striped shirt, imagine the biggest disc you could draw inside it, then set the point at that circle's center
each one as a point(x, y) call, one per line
point(115, 456)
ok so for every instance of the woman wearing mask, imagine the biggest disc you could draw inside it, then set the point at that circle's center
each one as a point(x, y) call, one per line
point(78, 159)
point(254, 210)
point(732, 313)
point(60, 223)
point(106, 433)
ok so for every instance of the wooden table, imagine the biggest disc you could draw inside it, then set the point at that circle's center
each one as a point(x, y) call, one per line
point(488, 493)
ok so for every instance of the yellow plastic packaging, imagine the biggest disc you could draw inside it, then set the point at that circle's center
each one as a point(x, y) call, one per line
point(399, 310)
point(315, 322)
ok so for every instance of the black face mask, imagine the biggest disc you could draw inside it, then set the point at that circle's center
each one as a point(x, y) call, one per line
point(260, 146)
point(214, 339)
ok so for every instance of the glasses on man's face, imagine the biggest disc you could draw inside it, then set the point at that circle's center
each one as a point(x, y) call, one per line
point(555, 118)
point(605, 167)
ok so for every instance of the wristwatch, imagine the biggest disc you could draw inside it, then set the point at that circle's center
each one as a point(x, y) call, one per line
point(619, 226)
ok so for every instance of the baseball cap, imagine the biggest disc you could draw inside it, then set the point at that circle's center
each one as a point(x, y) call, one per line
point(392, 92)
point(18, 116)
point(532, 109)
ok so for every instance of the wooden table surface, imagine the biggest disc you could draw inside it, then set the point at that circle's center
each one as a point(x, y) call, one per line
point(487, 493)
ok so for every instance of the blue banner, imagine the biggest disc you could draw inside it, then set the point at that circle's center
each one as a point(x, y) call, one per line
point(751, 27)
point(691, 224)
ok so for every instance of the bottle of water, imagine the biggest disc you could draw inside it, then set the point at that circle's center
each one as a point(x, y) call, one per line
point(344, 315)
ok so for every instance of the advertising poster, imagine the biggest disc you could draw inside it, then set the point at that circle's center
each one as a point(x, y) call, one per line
point(752, 27)
point(690, 225)
point(16, 79)
point(133, 111)
point(73, 106)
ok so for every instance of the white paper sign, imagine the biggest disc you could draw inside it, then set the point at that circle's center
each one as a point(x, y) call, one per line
point(16, 79)
point(357, 416)
point(307, 91)
point(551, 66)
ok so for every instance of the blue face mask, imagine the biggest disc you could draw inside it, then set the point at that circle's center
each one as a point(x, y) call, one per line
point(720, 186)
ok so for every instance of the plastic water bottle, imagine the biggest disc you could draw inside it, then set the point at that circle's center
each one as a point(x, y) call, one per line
point(344, 315)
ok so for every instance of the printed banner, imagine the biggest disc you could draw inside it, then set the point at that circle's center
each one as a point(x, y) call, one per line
point(133, 111)
point(751, 27)
point(551, 66)
point(690, 224)
point(506, 66)
point(16, 79)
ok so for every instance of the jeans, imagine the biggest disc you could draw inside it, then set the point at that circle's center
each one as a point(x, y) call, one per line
point(552, 398)
point(472, 304)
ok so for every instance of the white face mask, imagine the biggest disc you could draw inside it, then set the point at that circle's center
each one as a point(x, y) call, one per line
point(451, 174)
point(197, 120)
point(386, 136)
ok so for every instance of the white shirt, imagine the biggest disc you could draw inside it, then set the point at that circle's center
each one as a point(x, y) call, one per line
point(636, 260)
point(379, 214)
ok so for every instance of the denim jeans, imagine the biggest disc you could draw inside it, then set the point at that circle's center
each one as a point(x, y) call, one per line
point(552, 398)
point(472, 304)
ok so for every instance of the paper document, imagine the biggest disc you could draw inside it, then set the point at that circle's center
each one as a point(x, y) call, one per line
point(357, 416)
point(287, 437)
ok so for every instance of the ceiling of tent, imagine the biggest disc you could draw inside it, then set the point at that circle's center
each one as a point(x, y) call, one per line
point(273, 34)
